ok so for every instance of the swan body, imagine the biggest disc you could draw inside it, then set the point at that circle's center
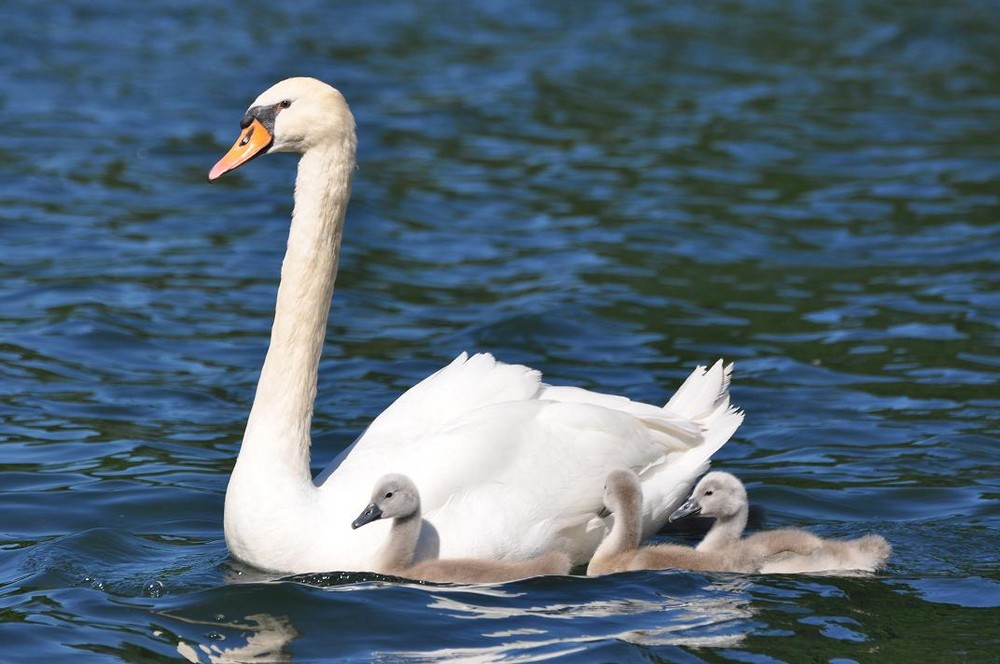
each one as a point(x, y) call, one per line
point(396, 497)
point(723, 497)
point(509, 468)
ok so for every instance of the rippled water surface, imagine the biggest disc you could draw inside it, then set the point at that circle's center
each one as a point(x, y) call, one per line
point(611, 192)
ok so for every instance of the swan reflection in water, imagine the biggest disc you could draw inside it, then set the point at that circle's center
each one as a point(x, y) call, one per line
point(268, 639)
point(715, 616)
point(521, 619)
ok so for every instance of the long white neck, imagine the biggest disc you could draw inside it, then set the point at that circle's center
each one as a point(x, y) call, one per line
point(277, 432)
point(725, 531)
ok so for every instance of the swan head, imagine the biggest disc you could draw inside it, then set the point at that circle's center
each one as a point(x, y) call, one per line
point(394, 496)
point(622, 491)
point(293, 115)
point(718, 495)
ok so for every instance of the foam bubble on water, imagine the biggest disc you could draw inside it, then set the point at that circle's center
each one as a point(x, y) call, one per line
point(154, 588)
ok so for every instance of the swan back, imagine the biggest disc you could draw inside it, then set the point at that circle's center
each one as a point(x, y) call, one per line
point(471, 570)
point(864, 554)
point(676, 556)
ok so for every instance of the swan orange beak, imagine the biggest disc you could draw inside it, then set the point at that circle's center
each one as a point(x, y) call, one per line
point(253, 141)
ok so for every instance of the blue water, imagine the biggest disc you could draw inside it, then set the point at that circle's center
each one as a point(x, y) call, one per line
point(610, 192)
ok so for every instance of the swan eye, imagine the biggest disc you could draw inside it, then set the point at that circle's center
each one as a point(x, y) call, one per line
point(708, 493)
point(285, 103)
point(389, 495)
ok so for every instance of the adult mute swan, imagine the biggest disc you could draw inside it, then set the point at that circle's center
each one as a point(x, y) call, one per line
point(509, 468)
point(396, 497)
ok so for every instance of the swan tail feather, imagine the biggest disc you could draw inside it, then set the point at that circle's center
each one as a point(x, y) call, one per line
point(704, 391)
point(704, 399)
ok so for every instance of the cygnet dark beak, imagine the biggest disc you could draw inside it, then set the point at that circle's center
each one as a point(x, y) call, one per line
point(370, 513)
point(687, 509)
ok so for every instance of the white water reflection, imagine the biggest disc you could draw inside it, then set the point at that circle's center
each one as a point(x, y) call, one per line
point(268, 639)
point(714, 616)
point(543, 619)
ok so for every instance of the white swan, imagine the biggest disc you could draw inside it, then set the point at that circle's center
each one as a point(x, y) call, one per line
point(396, 497)
point(723, 497)
point(509, 468)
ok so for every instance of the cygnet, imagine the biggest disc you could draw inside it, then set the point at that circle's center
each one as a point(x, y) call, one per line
point(723, 497)
point(619, 550)
point(396, 497)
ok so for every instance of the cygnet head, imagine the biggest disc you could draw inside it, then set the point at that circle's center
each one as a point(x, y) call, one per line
point(394, 496)
point(622, 491)
point(294, 115)
point(718, 495)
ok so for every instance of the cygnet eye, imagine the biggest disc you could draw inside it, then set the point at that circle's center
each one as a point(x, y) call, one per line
point(389, 495)
point(708, 493)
